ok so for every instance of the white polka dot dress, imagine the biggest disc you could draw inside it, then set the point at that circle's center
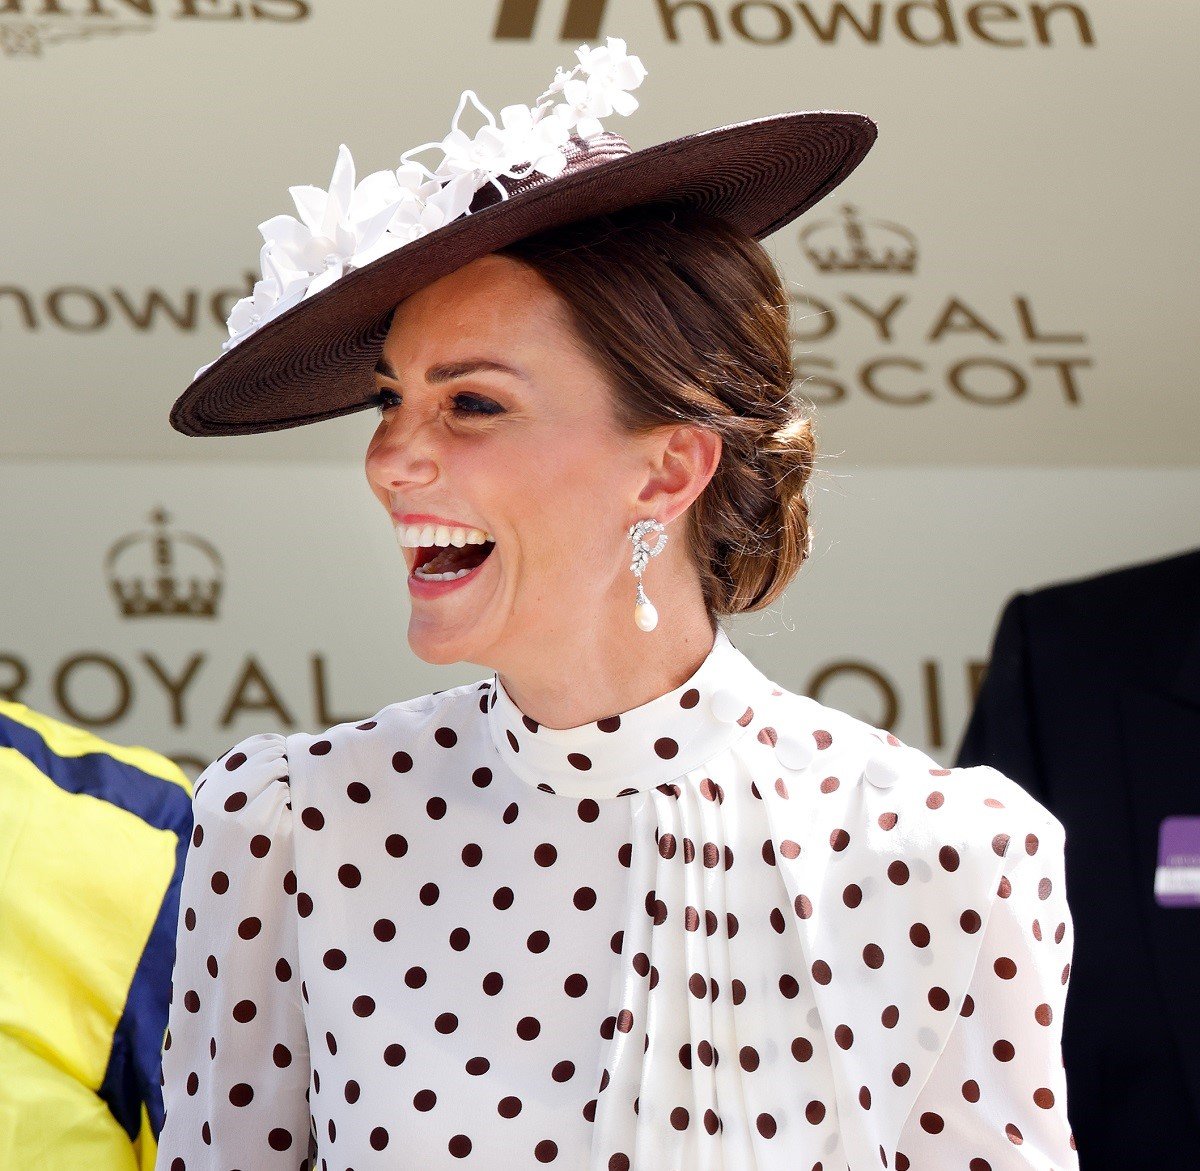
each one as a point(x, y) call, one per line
point(730, 930)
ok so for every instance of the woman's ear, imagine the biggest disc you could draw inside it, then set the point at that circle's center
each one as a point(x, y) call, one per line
point(682, 459)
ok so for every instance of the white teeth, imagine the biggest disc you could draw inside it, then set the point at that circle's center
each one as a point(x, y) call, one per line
point(417, 536)
point(441, 576)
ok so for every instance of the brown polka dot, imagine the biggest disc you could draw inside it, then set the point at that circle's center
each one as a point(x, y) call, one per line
point(459, 1146)
point(1000, 844)
point(312, 817)
point(1014, 1134)
point(890, 1017)
point(241, 1094)
point(839, 840)
point(429, 894)
point(804, 907)
point(1005, 968)
point(1031, 844)
point(665, 747)
point(873, 955)
point(931, 1122)
point(563, 1071)
point(334, 959)
point(245, 1011)
point(1003, 1051)
point(768, 736)
point(748, 1058)
point(970, 1090)
point(320, 748)
point(235, 761)
point(363, 1006)
point(901, 1073)
point(509, 1107)
point(823, 739)
point(546, 1151)
point(935, 800)
point(814, 1112)
point(446, 1023)
point(864, 1097)
point(680, 1118)
point(852, 895)
point(396, 845)
point(235, 801)
point(802, 1049)
point(588, 810)
point(898, 872)
point(402, 762)
point(1044, 888)
point(789, 848)
point(844, 1036)
point(424, 1100)
point(970, 921)
point(1044, 1098)
point(948, 857)
point(939, 999)
point(349, 875)
point(1043, 1014)
point(528, 1028)
point(579, 761)
point(575, 985)
point(219, 882)
point(918, 933)
point(821, 972)
point(766, 1125)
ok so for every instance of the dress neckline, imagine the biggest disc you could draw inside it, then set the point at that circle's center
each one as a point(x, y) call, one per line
point(632, 751)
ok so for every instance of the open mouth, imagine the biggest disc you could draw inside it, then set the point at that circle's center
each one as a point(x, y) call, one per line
point(446, 562)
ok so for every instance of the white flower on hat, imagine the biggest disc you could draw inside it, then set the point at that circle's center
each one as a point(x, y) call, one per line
point(334, 226)
point(350, 225)
point(280, 288)
point(610, 74)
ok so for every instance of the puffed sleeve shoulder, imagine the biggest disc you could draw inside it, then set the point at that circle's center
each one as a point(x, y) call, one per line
point(235, 1063)
point(997, 1096)
point(931, 906)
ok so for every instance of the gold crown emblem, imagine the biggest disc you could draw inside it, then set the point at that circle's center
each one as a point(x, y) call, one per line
point(160, 590)
point(849, 250)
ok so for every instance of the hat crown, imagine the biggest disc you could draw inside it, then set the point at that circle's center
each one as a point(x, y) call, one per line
point(580, 153)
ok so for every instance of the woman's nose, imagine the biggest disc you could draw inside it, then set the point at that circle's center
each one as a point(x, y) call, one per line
point(403, 452)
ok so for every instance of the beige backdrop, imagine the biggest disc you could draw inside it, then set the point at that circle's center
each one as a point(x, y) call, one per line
point(995, 321)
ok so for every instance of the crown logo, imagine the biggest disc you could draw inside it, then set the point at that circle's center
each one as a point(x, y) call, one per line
point(159, 589)
point(841, 246)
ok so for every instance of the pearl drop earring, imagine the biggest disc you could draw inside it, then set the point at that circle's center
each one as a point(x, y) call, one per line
point(644, 613)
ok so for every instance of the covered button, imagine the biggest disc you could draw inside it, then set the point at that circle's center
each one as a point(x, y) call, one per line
point(794, 751)
point(727, 706)
point(883, 767)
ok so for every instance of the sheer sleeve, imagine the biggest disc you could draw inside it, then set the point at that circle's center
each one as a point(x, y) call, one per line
point(235, 1055)
point(997, 1097)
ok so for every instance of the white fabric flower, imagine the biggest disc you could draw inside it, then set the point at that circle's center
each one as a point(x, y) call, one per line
point(280, 288)
point(609, 74)
point(334, 225)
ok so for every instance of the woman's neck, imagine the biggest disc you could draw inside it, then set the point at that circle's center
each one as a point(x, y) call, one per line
point(601, 671)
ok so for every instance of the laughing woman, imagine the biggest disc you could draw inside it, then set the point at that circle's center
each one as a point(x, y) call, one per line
point(624, 902)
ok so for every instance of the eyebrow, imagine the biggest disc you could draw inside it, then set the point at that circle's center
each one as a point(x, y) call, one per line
point(448, 371)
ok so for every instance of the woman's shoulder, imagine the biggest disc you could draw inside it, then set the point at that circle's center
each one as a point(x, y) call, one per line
point(850, 751)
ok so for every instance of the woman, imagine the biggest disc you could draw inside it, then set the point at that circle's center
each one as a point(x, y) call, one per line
point(625, 902)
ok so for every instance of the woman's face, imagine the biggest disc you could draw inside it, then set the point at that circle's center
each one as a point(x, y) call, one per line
point(495, 419)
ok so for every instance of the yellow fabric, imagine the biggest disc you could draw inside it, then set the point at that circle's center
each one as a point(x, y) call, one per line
point(50, 1121)
point(81, 884)
point(67, 740)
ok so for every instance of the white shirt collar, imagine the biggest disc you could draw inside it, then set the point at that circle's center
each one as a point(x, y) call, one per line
point(638, 749)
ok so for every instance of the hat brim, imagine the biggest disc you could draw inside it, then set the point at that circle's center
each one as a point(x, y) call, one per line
point(316, 360)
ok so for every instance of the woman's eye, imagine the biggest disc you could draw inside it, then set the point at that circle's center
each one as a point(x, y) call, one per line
point(464, 404)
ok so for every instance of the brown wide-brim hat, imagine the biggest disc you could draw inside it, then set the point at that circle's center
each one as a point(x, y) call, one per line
point(316, 360)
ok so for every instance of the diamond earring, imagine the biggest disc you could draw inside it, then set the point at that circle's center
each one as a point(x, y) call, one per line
point(644, 613)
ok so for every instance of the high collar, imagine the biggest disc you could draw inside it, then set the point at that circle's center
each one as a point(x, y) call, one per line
point(632, 751)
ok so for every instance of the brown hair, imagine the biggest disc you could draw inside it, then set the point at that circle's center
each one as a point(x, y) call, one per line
point(688, 317)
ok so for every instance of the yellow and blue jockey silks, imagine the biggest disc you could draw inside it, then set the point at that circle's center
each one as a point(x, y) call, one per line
point(92, 844)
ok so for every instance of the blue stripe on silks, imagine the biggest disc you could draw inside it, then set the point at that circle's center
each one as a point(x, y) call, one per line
point(134, 1066)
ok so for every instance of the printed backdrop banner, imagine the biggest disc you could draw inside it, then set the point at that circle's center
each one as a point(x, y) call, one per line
point(994, 322)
